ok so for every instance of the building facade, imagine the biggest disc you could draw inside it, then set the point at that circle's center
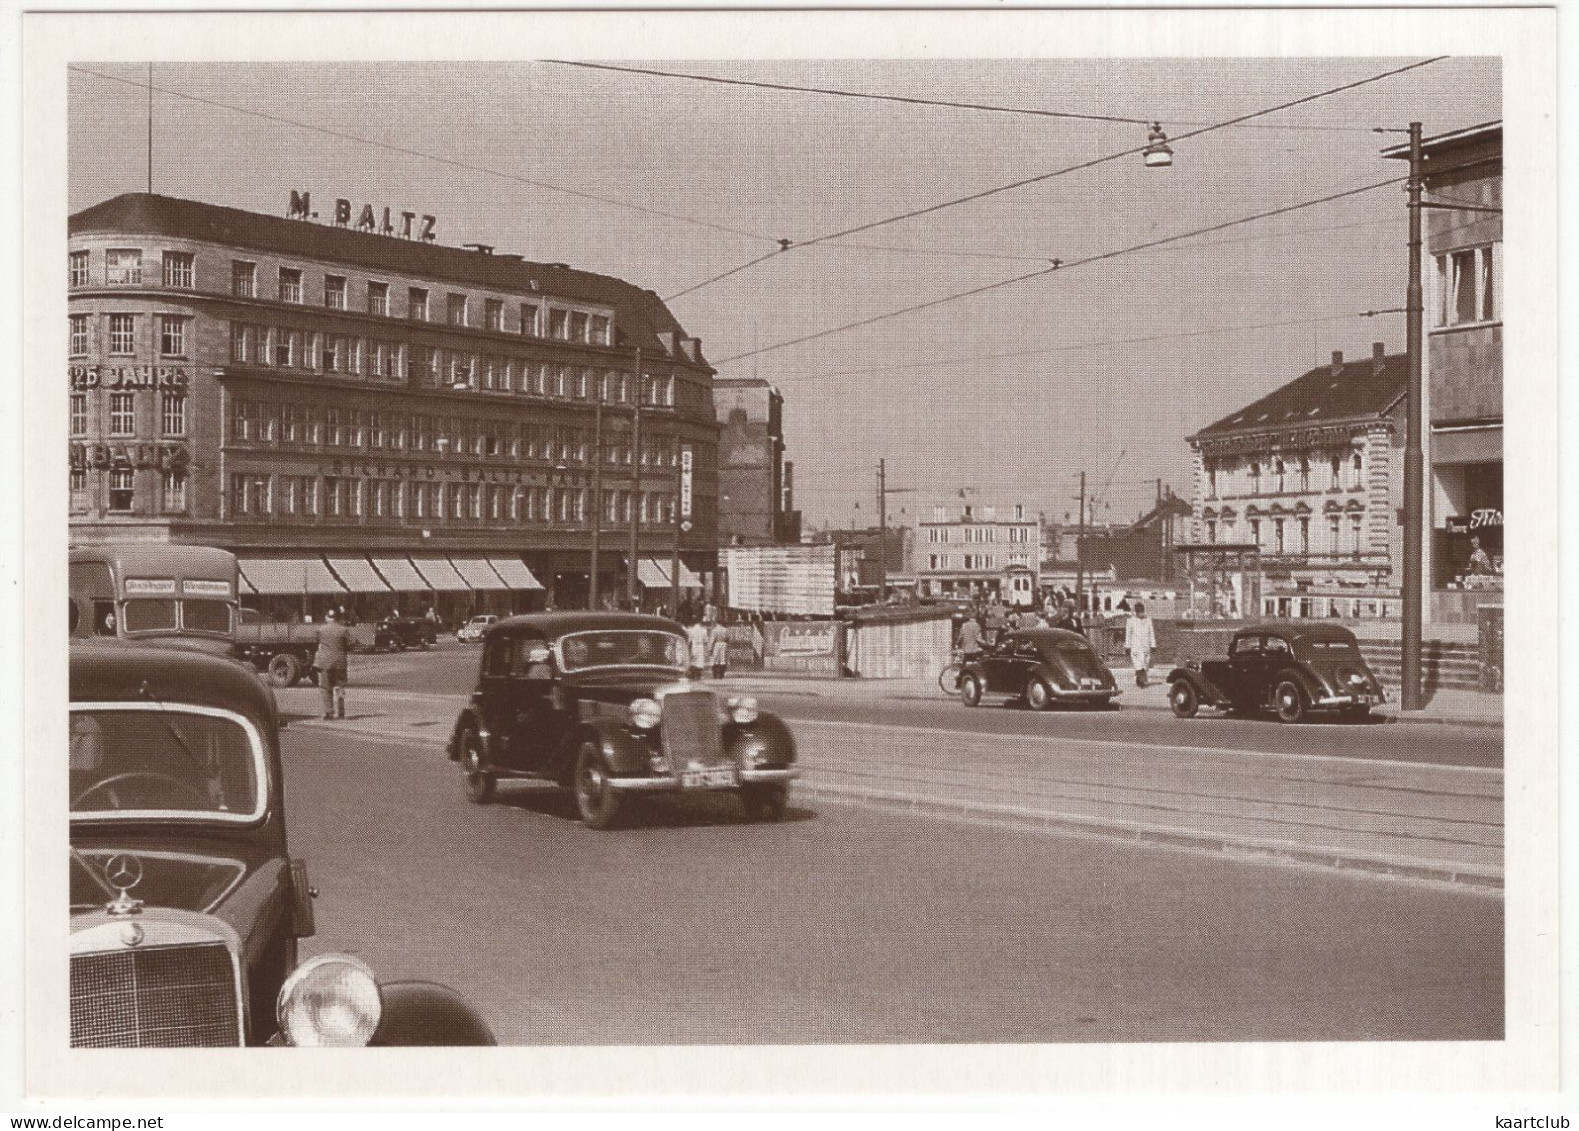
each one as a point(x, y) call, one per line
point(293, 390)
point(972, 549)
point(756, 504)
point(1311, 477)
point(1463, 308)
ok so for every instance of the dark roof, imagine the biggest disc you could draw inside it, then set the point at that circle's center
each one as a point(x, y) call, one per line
point(1356, 391)
point(640, 315)
point(1299, 630)
point(553, 625)
point(1050, 635)
point(116, 671)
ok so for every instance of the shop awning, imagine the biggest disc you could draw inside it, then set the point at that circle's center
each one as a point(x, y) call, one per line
point(439, 574)
point(400, 576)
point(289, 575)
point(651, 574)
point(245, 587)
point(1468, 445)
point(357, 575)
point(688, 580)
point(478, 573)
point(515, 573)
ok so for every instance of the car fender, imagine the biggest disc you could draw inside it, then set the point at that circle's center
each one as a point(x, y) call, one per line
point(1205, 689)
point(1308, 683)
point(427, 1014)
point(764, 742)
point(469, 719)
point(625, 752)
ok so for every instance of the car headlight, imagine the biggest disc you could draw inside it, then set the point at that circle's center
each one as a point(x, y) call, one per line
point(743, 710)
point(331, 1001)
point(645, 713)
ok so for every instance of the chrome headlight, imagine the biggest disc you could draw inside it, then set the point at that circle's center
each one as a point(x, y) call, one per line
point(743, 710)
point(331, 1001)
point(645, 713)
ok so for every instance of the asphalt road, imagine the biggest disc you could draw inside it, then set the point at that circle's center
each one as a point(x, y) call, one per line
point(849, 925)
point(452, 668)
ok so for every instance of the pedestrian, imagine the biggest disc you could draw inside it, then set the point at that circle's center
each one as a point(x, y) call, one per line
point(332, 662)
point(970, 640)
point(696, 641)
point(1140, 637)
point(1069, 619)
point(1479, 560)
point(718, 649)
point(994, 620)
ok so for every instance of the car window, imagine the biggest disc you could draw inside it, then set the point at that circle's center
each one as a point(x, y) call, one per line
point(1245, 646)
point(496, 661)
point(623, 646)
point(520, 658)
point(172, 760)
point(1277, 646)
point(205, 616)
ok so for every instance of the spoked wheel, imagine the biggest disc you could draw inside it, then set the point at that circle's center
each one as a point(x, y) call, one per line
point(767, 803)
point(479, 783)
point(1184, 700)
point(599, 804)
point(948, 680)
point(1289, 702)
point(970, 691)
point(1037, 695)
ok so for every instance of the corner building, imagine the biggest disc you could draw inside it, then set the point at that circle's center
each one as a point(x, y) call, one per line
point(337, 406)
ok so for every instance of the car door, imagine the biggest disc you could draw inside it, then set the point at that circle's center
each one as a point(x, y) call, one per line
point(1243, 671)
point(536, 721)
point(998, 665)
point(1276, 656)
point(492, 697)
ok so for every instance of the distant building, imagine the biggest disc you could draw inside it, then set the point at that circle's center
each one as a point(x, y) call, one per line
point(1144, 548)
point(1311, 474)
point(860, 560)
point(968, 548)
point(755, 482)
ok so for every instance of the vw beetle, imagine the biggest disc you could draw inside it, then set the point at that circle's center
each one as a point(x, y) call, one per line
point(186, 905)
point(1290, 670)
point(598, 703)
point(1040, 667)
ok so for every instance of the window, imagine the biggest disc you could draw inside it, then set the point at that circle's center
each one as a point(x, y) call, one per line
point(1255, 531)
point(79, 334)
point(123, 266)
point(77, 268)
point(122, 335)
point(333, 353)
point(1355, 533)
point(1335, 481)
point(1304, 536)
point(559, 324)
point(172, 335)
point(334, 292)
point(1334, 534)
point(290, 284)
point(79, 485)
point(79, 414)
point(243, 278)
point(493, 314)
point(578, 327)
point(172, 491)
point(243, 417)
point(1277, 476)
point(600, 330)
point(378, 299)
point(121, 489)
point(455, 311)
point(1304, 473)
point(178, 270)
point(285, 342)
point(1277, 536)
point(1356, 467)
point(172, 414)
point(123, 416)
point(1211, 530)
point(1255, 477)
point(1467, 286)
point(241, 342)
point(417, 304)
point(290, 423)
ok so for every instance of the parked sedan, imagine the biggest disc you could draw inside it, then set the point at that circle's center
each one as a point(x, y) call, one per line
point(1040, 667)
point(599, 704)
point(472, 630)
point(396, 634)
point(1287, 669)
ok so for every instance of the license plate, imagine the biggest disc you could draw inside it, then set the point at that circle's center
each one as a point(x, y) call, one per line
point(719, 777)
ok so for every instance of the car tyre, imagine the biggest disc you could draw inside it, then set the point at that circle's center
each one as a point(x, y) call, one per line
point(1184, 701)
point(1038, 696)
point(479, 783)
point(970, 691)
point(764, 803)
point(600, 805)
point(1289, 702)
point(284, 669)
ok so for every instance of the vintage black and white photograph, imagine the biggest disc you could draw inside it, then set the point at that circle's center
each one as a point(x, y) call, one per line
point(799, 550)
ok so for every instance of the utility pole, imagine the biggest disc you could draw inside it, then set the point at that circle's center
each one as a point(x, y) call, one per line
point(1080, 569)
point(630, 571)
point(1414, 460)
point(597, 497)
point(883, 491)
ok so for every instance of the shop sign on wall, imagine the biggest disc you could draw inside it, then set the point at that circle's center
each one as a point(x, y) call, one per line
point(378, 220)
point(1475, 520)
point(165, 457)
point(128, 377)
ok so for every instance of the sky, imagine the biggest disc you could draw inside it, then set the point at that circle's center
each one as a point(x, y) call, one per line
point(1104, 367)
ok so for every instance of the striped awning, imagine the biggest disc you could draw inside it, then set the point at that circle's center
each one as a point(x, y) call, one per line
point(514, 573)
point(439, 574)
point(651, 574)
point(478, 573)
point(400, 576)
point(357, 575)
point(289, 575)
point(688, 580)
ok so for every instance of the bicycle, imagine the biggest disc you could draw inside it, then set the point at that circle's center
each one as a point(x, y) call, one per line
point(949, 677)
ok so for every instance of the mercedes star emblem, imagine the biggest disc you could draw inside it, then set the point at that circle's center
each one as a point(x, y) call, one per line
point(124, 871)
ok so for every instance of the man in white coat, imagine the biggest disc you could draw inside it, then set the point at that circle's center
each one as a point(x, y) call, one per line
point(1140, 637)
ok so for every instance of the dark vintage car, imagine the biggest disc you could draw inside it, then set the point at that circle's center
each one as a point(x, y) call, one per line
point(1288, 669)
point(1041, 667)
point(186, 905)
point(599, 703)
point(396, 634)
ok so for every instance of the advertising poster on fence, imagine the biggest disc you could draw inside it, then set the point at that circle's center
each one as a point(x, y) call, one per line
point(789, 580)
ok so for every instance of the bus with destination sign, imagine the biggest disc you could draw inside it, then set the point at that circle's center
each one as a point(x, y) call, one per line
point(153, 591)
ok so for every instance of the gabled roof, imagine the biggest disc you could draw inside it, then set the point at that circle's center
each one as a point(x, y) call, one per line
point(1325, 395)
point(640, 315)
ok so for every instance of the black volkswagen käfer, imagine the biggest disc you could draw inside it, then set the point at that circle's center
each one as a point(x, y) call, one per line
point(1287, 669)
point(598, 703)
point(1040, 667)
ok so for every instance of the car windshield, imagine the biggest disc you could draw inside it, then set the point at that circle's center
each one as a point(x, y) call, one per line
point(167, 761)
point(205, 616)
point(622, 646)
point(146, 614)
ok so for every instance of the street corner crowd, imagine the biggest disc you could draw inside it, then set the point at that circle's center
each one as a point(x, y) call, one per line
point(983, 627)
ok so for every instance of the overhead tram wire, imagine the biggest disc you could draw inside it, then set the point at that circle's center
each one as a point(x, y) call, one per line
point(1079, 166)
point(407, 151)
point(1099, 258)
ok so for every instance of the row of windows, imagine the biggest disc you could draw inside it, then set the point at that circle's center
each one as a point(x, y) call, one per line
point(120, 332)
point(1282, 538)
point(122, 409)
point(978, 535)
point(372, 430)
point(1279, 475)
point(307, 496)
point(976, 561)
point(121, 494)
point(123, 266)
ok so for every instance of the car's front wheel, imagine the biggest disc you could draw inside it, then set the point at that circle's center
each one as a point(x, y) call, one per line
point(1037, 695)
point(598, 802)
point(1289, 702)
point(479, 783)
point(764, 802)
point(1183, 700)
point(970, 691)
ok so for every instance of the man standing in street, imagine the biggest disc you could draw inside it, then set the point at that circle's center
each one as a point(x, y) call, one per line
point(1140, 637)
point(332, 662)
point(994, 620)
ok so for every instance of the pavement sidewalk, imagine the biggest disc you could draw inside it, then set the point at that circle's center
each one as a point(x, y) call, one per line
point(1431, 823)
